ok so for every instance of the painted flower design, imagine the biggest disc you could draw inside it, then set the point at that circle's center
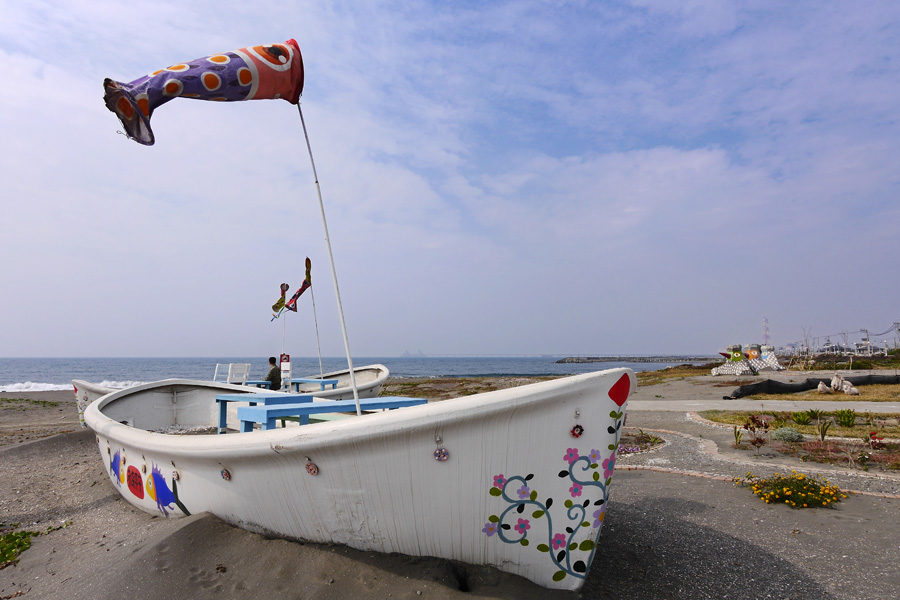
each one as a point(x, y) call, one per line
point(598, 516)
point(608, 465)
point(575, 490)
point(559, 541)
point(523, 525)
point(499, 481)
point(490, 529)
point(571, 455)
point(523, 492)
point(595, 456)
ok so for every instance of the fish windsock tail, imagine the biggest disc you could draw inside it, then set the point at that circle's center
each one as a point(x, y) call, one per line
point(133, 112)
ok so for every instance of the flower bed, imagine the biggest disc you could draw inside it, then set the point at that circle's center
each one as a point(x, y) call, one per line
point(633, 443)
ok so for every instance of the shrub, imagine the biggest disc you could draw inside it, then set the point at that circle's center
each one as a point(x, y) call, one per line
point(796, 490)
point(846, 417)
point(815, 414)
point(759, 430)
point(801, 418)
point(787, 434)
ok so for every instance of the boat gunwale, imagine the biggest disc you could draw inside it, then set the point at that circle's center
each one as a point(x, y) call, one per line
point(319, 436)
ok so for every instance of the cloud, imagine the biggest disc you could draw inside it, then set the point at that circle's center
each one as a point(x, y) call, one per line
point(515, 177)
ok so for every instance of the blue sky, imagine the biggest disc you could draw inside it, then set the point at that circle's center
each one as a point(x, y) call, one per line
point(509, 177)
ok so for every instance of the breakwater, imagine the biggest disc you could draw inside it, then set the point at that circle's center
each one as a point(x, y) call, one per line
point(638, 359)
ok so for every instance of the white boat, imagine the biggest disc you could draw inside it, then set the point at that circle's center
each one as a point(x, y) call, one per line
point(370, 380)
point(85, 393)
point(517, 479)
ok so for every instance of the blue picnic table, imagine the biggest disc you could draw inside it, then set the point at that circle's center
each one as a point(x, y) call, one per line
point(269, 414)
point(267, 399)
point(260, 383)
point(322, 382)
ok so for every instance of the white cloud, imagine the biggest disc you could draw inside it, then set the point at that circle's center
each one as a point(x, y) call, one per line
point(517, 177)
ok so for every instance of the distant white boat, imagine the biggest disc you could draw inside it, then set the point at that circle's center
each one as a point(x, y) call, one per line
point(370, 380)
point(517, 478)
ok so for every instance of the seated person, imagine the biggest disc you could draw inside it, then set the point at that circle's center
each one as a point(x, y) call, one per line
point(274, 375)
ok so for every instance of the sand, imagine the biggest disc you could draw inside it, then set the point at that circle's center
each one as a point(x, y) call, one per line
point(668, 535)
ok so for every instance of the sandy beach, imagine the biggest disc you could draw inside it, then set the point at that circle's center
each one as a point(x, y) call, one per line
point(676, 528)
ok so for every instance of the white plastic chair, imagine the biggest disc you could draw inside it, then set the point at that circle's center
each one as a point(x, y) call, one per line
point(238, 373)
point(219, 367)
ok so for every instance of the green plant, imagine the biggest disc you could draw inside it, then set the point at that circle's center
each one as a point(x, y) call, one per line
point(815, 414)
point(796, 490)
point(738, 436)
point(801, 418)
point(823, 427)
point(13, 543)
point(787, 434)
point(846, 417)
point(780, 418)
point(648, 438)
point(863, 459)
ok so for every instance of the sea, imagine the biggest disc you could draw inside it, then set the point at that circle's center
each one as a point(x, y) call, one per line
point(51, 374)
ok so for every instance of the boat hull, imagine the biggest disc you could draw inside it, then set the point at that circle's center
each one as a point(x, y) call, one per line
point(494, 479)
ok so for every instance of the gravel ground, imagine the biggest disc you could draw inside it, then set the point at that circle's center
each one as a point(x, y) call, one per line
point(680, 530)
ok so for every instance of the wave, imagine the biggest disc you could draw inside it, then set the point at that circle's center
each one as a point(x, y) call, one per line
point(31, 386)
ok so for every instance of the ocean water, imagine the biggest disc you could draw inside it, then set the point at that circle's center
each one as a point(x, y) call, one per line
point(47, 374)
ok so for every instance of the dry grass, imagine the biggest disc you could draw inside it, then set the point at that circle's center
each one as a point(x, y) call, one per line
point(445, 388)
point(677, 372)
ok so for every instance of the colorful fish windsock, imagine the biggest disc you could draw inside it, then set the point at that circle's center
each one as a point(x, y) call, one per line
point(308, 271)
point(262, 72)
point(292, 303)
point(280, 304)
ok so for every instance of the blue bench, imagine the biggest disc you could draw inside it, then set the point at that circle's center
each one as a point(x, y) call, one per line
point(322, 383)
point(267, 415)
point(269, 399)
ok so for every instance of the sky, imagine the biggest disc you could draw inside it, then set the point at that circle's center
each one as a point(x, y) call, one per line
point(523, 177)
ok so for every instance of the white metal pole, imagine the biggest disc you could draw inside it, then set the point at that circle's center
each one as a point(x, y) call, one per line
point(337, 291)
point(316, 321)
